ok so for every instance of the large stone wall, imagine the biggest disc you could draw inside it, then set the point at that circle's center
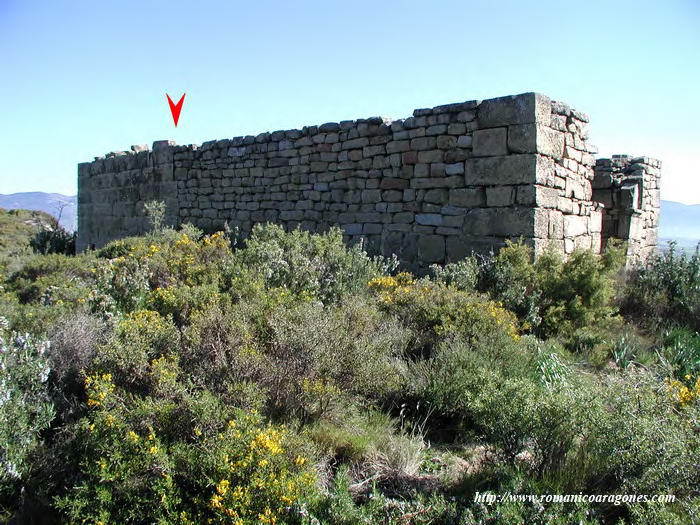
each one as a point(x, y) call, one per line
point(430, 188)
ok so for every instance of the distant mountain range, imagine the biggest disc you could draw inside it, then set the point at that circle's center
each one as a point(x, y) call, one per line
point(679, 222)
point(53, 203)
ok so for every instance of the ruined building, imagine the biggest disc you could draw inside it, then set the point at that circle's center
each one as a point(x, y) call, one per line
point(430, 188)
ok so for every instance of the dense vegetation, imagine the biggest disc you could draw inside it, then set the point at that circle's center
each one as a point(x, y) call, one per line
point(187, 378)
point(23, 232)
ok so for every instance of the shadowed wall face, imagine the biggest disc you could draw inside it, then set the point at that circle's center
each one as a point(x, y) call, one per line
point(430, 188)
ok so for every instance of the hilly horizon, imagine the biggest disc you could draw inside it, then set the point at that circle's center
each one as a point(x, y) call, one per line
point(679, 222)
point(52, 203)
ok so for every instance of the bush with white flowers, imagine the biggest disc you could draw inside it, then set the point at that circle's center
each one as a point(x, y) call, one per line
point(25, 408)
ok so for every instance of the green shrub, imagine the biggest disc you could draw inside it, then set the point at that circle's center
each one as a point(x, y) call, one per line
point(182, 302)
point(25, 408)
point(318, 355)
point(51, 278)
point(155, 211)
point(320, 265)
point(54, 239)
point(623, 434)
point(118, 248)
point(372, 443)
point(339, 506)
point(510, 278)
point(76, 338)
point(640, 443)
point(666, 289)
point(17, 229)
point(493, 396)
point(181, 259)
point(612, 339)
point(680, 352)
point(577, 292)
point(220, 353)
point(121, 287)
point(552, 296)
point(463, 275)
point(138, 267)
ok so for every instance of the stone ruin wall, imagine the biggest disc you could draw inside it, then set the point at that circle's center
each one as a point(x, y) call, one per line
point(430, 188)
point(628, 188)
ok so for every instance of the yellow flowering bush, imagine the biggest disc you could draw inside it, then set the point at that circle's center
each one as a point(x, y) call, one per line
point(99, 388)
point(194, 262)
point(139, 339)
point(684, 392)
point(255, 479)
point(182, 301)
point(194, 462)
point(131, 270)
point(435, 311)
point(388, 287)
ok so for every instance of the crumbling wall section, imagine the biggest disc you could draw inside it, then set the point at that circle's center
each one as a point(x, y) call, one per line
point(628, 188)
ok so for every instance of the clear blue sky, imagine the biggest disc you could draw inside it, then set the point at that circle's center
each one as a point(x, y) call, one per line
point(81, 78)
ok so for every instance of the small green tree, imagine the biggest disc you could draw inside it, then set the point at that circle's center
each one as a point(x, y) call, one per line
point(155, 211)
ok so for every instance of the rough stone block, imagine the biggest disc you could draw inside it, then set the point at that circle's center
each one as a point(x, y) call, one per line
point(493, 222)
point(465, 141)
point(436, 196)
point(575, 225)
point(431, 248)
point(446, 142)
point(490, 142)
point(352, 229)
point(454, 169)
point(507, 169)
point(535, 195)
point(535, 138)
point(500, 196)
point(371, 196)
point(516, 109)
point(423, 143)
point(467, 197)
point(458, 247)
point(393, 184)
point(398, 146)
point(429, 219)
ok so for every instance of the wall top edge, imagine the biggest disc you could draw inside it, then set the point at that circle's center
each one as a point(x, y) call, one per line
point(626, 159)
point(522, 99)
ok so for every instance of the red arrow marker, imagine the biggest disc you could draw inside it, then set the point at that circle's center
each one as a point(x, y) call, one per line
point(176, 108)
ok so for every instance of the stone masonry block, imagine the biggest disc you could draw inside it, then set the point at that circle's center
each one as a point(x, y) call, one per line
point(429, 219)
point(535, 195)
point(431, 248)
point(535, 138)
point(516, 109)
point(467, 197)
point(490, 142)
point(575, 225)
point(507, 169)
point(493, 222)
point(500, 196)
